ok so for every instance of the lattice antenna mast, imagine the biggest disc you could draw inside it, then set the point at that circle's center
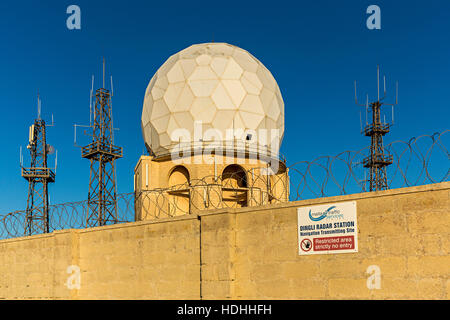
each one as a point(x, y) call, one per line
point(102, 153)
point(38, 176)
point(378, 158)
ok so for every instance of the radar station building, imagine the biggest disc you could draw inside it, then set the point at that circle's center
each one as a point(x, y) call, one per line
point(213, 123)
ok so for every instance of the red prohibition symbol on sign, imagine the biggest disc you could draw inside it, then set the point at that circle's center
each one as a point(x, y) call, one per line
point(306, 245)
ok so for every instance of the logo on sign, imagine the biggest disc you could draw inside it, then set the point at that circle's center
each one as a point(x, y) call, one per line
point(317, 216)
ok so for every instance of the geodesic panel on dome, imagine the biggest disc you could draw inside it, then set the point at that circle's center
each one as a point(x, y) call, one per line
point(222, 86)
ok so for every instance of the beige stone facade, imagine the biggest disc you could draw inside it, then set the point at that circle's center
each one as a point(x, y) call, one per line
point(165, 188)
point(242, 253)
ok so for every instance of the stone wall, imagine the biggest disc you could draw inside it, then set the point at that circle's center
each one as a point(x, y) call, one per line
point(242, 253)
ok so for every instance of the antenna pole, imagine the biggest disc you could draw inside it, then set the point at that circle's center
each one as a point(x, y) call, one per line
point(102, 153)
point(38, 176)
point(378, 82)
point(112, 87)
point(393, 115)
point(378, 159)
point(39, 106)
point(367, 107)
point(90, 101)
point(396, 92)
point(103, 72)
point(360, 121)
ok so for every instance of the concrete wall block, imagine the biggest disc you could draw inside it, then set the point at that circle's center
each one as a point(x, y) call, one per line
point(246, 253)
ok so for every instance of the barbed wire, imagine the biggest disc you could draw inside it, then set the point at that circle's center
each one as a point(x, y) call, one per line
point(421, 160)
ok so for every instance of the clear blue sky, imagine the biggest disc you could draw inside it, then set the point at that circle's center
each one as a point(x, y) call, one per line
point(315, 50)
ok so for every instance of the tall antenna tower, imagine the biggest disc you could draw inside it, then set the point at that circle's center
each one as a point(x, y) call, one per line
point(102, 153)
point(378, 158)
point(38, 176)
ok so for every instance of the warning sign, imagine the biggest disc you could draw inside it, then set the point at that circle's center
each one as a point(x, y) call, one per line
point(306, 245)
point(329, 228)
point(334, 243)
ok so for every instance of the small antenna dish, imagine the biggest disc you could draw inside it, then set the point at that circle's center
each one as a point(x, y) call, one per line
point(50, 149)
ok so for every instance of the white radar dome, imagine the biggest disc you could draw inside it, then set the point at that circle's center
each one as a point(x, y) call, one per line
point(212, 86)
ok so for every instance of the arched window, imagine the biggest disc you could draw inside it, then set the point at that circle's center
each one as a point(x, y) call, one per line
point(234, 186)
point(234, 176)
point(179, 192)
point(178, 176)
